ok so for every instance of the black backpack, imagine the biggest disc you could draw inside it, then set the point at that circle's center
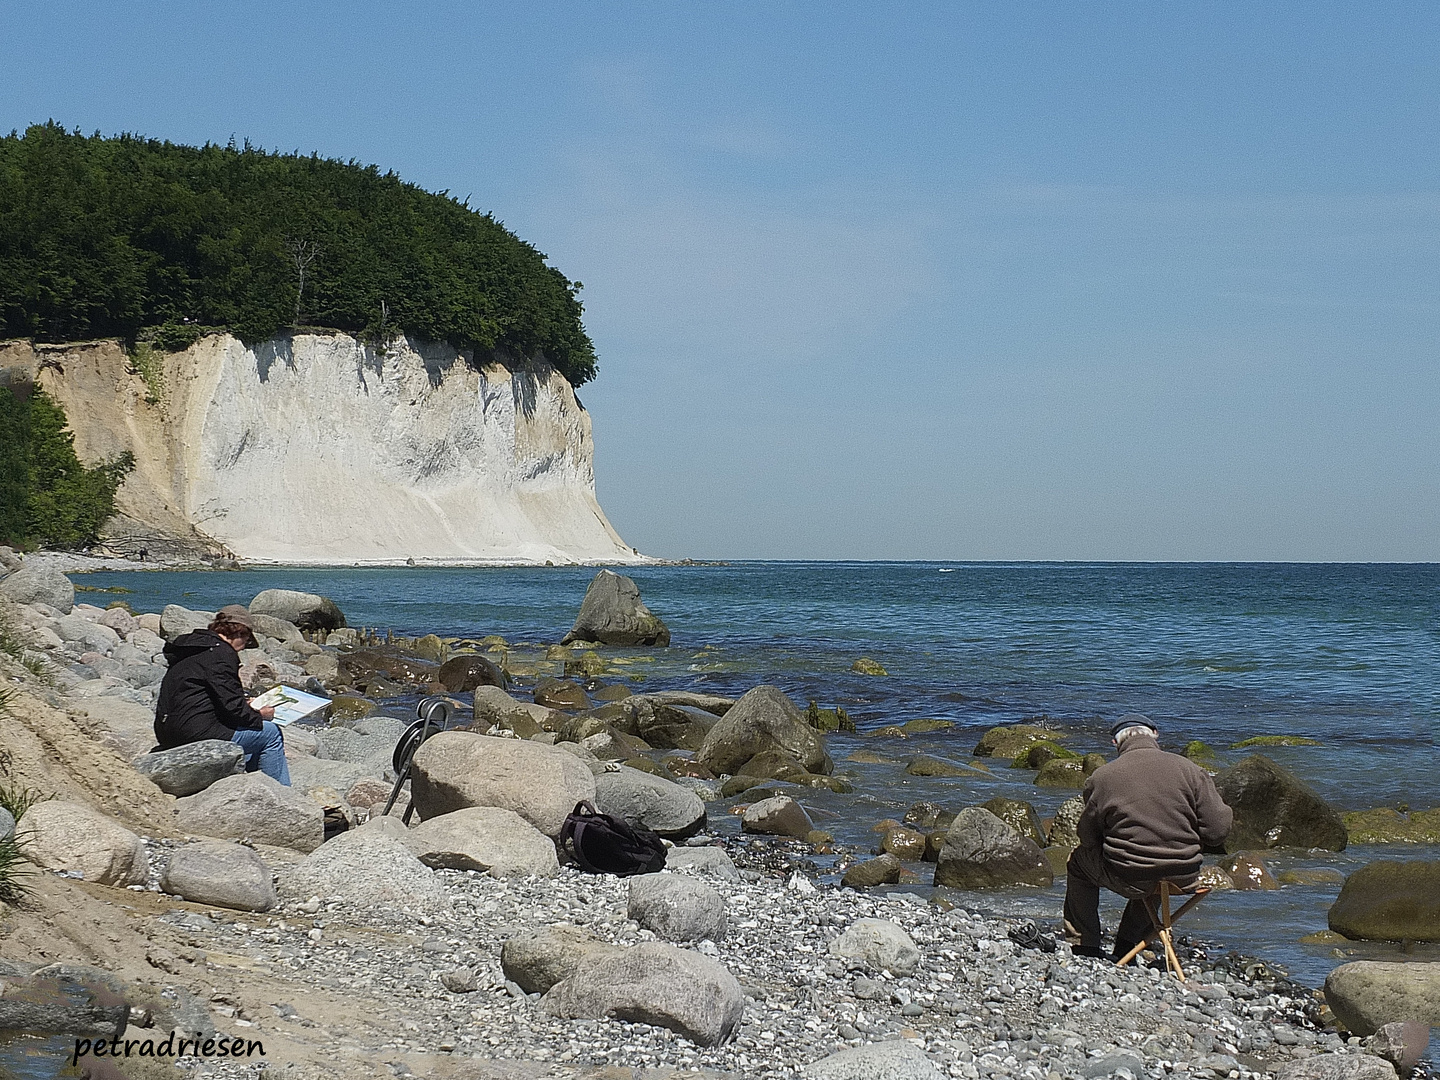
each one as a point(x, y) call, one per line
point(602, 844)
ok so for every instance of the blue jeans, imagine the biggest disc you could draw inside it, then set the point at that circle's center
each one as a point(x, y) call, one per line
point(265, 751)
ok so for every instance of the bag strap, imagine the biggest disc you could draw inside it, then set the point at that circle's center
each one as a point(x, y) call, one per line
point(580, 825)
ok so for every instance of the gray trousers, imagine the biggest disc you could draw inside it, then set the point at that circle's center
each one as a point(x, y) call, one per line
point(1086, 874)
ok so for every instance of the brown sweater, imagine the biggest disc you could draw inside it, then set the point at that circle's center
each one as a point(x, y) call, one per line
point(1153, 812)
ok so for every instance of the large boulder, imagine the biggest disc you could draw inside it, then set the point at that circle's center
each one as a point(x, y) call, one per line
point(462, 674)
point(71, 837)
point(877, 943)
point(456, 769)
point(1402, 1043)
point(537, 960)
point(34, 585)
point(1337, 1067)
point(1020, 816)
point(1368, 994)
point(1274, 808)
point(613, 613)
point(654, 984)
point(366, 867)
point(778, 815)
point(1386, 825)
point(484, 838)
point(677, 908)
point(653, 802)
point(176, 621)
point(982, 852)
point(893, 1059)
point(764, 719)
point(305, 610)
point(1390, 900)
point(253, 806)
point(1065, 826)
point(192, 767)
point(282, 630)
point(222, 874)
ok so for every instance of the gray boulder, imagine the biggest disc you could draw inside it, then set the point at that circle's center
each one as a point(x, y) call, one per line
point(538, 960)
point(1402, 1043)
point(878, 943)
point(1065, 827)
point(176, 620)
point(282, 630)
point(70, 836)
point(884, 869)
point(613, 613)
point(642, 798)
point(1337, 1067)
point(366, 867)
point(1368, 994)
point(81, 631)
point(484, 838)
point(778, 815)
point(654, 984)
point(894, 1059)
point(1274, 808)
point(1390, 900)
point(222, 874)
point(677, 908)
point(305, 610)
point(982, 852)
point(193, 767)
point(456, 769)
point(703, 860)
point(761, 721)
point(253, 806)
point(33, 585)
point(7, 824)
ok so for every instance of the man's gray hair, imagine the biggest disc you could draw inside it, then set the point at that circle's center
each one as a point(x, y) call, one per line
point(1134, 729)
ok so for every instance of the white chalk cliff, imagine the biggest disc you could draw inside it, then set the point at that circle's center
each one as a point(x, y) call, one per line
point(318, 448)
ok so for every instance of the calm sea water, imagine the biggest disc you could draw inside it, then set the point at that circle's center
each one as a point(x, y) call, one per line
point(1346, 654)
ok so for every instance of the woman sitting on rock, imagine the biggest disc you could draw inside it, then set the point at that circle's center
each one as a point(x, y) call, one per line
point(201, 696)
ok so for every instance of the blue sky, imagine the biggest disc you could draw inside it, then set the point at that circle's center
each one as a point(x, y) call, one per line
point(987, 281)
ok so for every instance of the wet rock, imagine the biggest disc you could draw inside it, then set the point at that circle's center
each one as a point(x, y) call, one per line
point(1274, 808)
point(192, 767)
point(1273, 740)
point(253, 806)
point(1008, 740)
point(866, 666)
point(1062, 773)
point(613, 613)
point(1203, 754)
point(654, 984)
point(33, 585)
point(928, 815)
point(1020, 816)
point(1390, 900)
point(537, 960)
point(366, 867)
point(779, 815)
point(71, 837)
point(1038, 753)
point(1368, 994)
point(882, 870)
point(764, 719)
point(456, 769)
point(1337, 1067)
point(926, 726)
point(1402, 1043)
point(462, 674)
point(379, 667)
point(650, 801)
point(925, 765)
point(903, 843)
point(1065, 827)
point(1216, 879)
point(893, 1059)
point(430, 647)
point(878, 943)
point(982, 852)
point(1318, 875)
point(827, 720)
point(677, 908)
point(306, 610)
point(703, 860)
point(221, 874)
point(673, 727)
point(484, 838)
point(1384, 825)
point(1247, 870)
point(561, 694)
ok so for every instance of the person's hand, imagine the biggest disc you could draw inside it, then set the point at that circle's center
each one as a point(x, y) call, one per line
point(268, 712)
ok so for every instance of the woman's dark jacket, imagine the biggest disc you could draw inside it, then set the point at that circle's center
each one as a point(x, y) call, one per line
point(201, 696)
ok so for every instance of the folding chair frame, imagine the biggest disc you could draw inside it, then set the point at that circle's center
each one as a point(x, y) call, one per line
point(1161, 919)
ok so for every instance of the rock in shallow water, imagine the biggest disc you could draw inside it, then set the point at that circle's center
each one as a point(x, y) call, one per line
point(1390, 900)
point(778, 815)
point(305, 610)
point(1274, 808)
point(764, 719)
point(612, 612)
point(982, 852)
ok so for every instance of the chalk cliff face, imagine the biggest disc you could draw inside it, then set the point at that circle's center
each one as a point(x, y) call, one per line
point(318, 448)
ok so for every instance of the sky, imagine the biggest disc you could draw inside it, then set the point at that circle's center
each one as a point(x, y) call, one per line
point(1119, 281)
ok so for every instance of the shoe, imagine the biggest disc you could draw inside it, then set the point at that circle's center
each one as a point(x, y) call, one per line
point(1121, 948)
point(1094, 952)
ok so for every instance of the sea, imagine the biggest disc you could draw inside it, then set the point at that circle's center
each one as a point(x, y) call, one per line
point(1347, 655)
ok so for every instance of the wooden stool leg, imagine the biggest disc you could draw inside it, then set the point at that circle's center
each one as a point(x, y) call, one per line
point(1171, 959)
point(1138, 949)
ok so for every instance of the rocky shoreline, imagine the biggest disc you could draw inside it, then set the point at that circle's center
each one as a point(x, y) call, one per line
point(359, 947)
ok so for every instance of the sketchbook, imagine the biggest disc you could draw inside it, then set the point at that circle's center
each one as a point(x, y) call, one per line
point(290, 704)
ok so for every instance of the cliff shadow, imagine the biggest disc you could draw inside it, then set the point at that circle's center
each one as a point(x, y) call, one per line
point(280, 349)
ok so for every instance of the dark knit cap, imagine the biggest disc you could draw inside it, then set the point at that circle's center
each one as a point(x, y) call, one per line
point(1133, 719)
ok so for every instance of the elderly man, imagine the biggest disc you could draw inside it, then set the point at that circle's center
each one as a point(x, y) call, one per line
point(1148, 816)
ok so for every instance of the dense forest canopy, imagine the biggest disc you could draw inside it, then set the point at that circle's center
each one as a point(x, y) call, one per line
point(140, 239)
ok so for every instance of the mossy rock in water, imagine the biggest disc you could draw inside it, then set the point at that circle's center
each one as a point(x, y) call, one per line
point(558, 652)
point(869, 757)
point(1273, 740)
point(925, 765)
point(1274, 808)
point(827, 720)
point(586, 666)
point(1383, 825)
point(1009, 740)
point(431, 648)
point(837, 784)
point(925, 727)
point(1390, 900)
point(1038, 753)
point(1324, 937)
point(1065, 825)
point(866, 666)
point(1202, 753)
point(1091, 762)
point(904, 843)
point(345, 708)
point(490, 641)
point(1248, 871)
point(889, 731)
point(1061, 773)
point(882, 870)
point(928, 815)
point(1020, 816)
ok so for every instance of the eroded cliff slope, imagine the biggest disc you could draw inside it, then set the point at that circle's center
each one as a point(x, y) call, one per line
point(318, 448)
